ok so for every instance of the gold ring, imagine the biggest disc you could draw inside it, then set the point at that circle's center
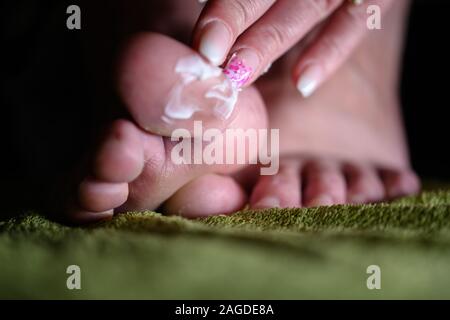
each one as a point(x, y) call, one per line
point(356, 2)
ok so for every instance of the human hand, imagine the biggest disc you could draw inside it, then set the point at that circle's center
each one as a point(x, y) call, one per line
point(256, 33)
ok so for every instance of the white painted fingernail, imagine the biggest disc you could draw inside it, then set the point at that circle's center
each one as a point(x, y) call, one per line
point(269, 202)
point(267, 68)
point(309, 80)
point(214, 43)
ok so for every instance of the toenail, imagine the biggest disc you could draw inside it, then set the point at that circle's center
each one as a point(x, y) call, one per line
point(90, 217)
point(356, 199)
point(320, 201)
point(269, 202)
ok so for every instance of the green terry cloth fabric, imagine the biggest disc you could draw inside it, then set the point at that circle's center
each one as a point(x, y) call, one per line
point(273, 254)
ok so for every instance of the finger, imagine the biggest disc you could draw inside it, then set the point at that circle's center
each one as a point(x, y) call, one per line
point(221, 22)
point(286, 23)
point(334, 44)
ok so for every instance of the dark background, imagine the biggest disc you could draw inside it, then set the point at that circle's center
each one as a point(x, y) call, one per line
point(47, 103)
point(426, 88)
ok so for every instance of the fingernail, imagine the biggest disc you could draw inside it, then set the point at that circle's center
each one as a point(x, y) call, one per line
point(215, 42)
point(267, 68)
point(309, 80)
point(320, 201)
point(241, 67)
point(266, 203)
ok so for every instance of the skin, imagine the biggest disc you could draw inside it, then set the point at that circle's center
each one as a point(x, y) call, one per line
point(374, 165)
point(149, 59)
point(269, 28)
point(131, 169)
point(315, 169)
point(132, 163)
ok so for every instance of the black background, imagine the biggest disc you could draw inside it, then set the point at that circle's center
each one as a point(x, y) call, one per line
point(426, 88)
point(47, 103)
point(290, 309)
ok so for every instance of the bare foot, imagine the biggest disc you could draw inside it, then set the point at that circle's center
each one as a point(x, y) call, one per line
point(132, 168)
point(343, 145)
point(346, 143)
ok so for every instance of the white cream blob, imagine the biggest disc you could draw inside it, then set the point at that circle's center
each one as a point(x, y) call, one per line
point(182, 107)
point(195, 66)
point(225, 103)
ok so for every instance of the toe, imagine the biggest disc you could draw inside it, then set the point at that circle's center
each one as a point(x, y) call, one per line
point(364, 185)
point(120, 157)
point(207, 195)
point(400, 183)
point(163, 174)
point(152, 84)
point(97, 196)
point(324, 184)
point(281, 190)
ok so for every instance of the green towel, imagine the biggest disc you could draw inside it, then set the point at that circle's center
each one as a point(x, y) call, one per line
point(272, 254)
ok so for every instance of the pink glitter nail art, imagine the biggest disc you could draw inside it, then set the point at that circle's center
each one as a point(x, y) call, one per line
point(237, 71)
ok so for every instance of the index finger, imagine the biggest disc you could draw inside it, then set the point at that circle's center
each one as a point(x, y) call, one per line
point(221, 23)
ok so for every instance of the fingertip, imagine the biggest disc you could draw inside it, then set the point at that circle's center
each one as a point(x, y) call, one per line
point(215, 41)
point(242, 67)
point(309, 79)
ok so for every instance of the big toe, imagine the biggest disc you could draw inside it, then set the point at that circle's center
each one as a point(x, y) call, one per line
point(166, 171)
